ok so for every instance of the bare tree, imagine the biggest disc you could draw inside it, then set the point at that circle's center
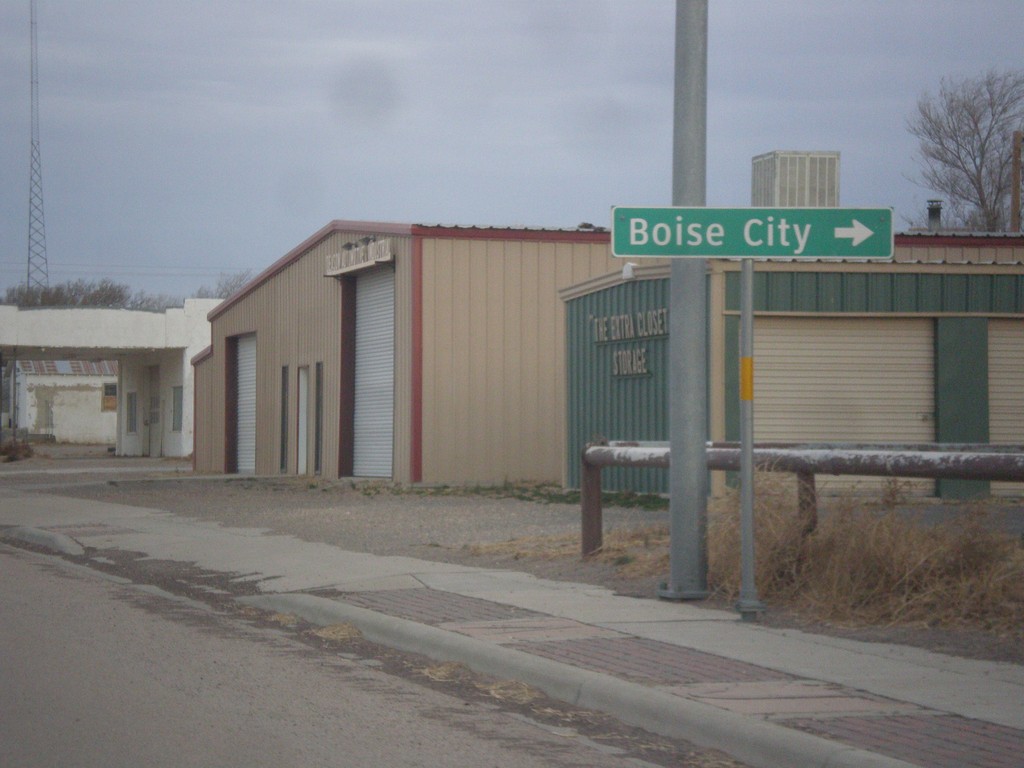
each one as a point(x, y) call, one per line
point(88, 293)
point(227, 284)
point(154, 302)
point(74, 293)
point(965, 150)
point(109, 294)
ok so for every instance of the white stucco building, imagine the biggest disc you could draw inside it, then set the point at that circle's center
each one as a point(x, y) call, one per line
point(71, 401)
point(153, 351)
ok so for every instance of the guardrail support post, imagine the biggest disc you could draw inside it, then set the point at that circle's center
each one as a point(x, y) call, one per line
point(590, 507)
point(807, 501)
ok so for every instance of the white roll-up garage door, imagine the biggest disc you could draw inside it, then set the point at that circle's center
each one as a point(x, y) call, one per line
point(1006, 390)
point(845, 380)
point(375, 374)
point(245, 417)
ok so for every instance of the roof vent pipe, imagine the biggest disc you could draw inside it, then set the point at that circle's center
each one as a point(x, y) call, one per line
point(934, 215)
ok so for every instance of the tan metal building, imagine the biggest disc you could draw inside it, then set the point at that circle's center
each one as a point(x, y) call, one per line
point(415, 353)
point(438, 354)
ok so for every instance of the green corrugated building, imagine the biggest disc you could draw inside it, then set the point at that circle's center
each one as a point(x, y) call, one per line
point(926, 348)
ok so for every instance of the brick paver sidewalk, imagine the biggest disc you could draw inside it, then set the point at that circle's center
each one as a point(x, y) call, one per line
point(877, 724)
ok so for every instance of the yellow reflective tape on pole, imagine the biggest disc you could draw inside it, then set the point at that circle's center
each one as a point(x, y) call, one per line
point(746, 378)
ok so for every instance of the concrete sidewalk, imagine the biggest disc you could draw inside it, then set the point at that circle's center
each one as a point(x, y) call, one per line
point(769, 697)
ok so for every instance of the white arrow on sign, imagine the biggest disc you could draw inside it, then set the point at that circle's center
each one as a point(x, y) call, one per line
point(858, 233)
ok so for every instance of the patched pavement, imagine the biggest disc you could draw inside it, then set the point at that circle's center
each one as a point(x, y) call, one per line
point(769, 697)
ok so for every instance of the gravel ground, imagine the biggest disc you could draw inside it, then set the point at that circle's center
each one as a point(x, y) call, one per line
point(366, 517)
point(370, 517)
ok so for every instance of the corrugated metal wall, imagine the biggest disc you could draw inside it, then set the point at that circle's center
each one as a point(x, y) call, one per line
point(296, 317)
point(627, 323)
point(208, 445)
point(494, 355)
point(864, 292)
point(849, 355)
point(402, 457)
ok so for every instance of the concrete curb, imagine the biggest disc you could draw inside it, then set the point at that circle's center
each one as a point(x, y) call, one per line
point(56, 542)
point(757, 742)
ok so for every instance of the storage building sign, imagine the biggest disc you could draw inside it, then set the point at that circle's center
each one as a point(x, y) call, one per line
point(355, 256)
point(628, 333)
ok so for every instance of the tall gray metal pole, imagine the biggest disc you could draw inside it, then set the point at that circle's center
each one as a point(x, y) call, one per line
point(749, 604)
point(1018, 138)
point(688, 389)
point(37, 275)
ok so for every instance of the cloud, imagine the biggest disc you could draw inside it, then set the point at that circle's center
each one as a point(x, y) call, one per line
point(367, 94)
point(227, 132)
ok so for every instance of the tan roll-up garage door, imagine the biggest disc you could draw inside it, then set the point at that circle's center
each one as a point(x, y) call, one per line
point(845, 380)
point(245, 417)
point(374, 418)
point(1006, 390)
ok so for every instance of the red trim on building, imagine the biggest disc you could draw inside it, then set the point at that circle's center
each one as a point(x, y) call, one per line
point(231, 406)
point(596, 235)
point(347, 378)
point(965, 240)
point(514, 233)
point(416, 426)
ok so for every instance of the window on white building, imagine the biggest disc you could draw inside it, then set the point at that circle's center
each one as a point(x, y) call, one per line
point(109, 402)
point(131, 418)
point(177, 406)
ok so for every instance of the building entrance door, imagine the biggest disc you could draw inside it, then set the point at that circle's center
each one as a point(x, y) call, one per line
point(302, 439)
point(154, 441)
point(374, 418)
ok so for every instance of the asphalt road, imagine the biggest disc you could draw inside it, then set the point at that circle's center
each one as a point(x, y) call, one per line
point(94, 672)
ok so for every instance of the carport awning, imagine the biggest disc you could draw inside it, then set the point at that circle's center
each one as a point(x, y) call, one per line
point(82, 333)
point(93, 354)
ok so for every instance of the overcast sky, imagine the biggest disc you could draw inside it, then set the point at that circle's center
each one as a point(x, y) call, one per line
point(182, 139)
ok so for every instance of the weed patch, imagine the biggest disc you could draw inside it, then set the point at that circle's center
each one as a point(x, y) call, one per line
point(15, 451)
point(535, 493)
point(863, 565)
point(870, 565)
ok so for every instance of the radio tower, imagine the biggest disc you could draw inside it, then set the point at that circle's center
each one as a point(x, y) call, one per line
point(38, 274)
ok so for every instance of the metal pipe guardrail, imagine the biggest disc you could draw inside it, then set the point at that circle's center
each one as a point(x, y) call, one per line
point(930, 460)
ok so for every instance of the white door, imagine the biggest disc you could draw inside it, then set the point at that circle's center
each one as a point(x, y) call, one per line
point(156, 435)
point(375, 374)
point(245, 417)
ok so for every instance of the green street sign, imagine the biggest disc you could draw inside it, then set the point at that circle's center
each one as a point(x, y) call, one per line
point(728, 233)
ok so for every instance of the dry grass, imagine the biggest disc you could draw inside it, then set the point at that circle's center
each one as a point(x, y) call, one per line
point(284, 619)
point(509, 690)
point(864, 565)
point(337, 633)
point(15, 451)
point(868, 565)
point(446, 672)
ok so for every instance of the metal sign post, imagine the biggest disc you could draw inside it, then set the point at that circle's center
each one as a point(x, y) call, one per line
point(687, 375)
point(702, 233)
point(691, 235)
point(749, 605)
